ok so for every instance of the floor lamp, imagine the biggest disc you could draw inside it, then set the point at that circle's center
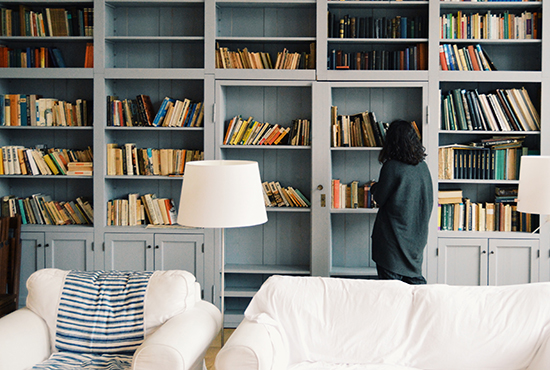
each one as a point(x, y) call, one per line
point(222, 194)
point(534, 186)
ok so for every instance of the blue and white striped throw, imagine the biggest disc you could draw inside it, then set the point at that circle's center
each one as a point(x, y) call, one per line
point(73, 361)
point(102, 312)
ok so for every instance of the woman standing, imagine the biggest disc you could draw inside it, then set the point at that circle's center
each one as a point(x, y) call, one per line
point(404, 195)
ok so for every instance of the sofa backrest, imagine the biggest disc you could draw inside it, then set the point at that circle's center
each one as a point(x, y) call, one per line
point(429, 327)
point(168, 294)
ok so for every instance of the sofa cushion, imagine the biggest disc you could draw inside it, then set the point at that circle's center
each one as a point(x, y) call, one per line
point(498, 327)
point(45, 288)
point(329, 320)
point(330, 366)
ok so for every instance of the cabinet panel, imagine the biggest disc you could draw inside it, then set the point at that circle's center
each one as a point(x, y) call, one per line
point(462, 261)
point(69, 251)
point(180, 252)
point(32, 259)
point(129, 251)
point(513, 261)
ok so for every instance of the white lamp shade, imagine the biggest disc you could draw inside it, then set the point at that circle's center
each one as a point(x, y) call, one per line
point(221, 194)
point(534, 185)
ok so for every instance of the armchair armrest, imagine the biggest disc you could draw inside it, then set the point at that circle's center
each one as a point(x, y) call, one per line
point(541, 360)
point(24, 340)
point(254, 346)
point(181, 342)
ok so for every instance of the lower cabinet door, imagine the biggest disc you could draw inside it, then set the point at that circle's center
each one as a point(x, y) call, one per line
point(513, 261)
point(129, 252)
point(462, 261)
point(180, 252)
point(32, 259)
point(69, 251)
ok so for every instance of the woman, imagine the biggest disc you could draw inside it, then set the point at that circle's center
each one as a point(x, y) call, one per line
point(404, 195)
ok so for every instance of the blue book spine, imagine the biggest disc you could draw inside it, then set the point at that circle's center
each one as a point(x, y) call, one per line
point(23, 106)
point(162, 111)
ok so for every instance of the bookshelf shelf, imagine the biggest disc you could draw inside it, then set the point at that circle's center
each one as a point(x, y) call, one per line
point(489, 5)
point(47, 73)
point(480, 132)
point(266, 269)
point(147, 39)
point(353, 272)
point(490, 76)
point(266, 147)
point(377, 40)
point(354, 210)
point(288, 209)
point(376, 3)
point(486, 234)
point(154, 73)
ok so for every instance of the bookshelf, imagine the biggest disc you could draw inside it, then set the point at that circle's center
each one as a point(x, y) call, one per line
point(283, 244)
point(488, 257)
point(168, 49)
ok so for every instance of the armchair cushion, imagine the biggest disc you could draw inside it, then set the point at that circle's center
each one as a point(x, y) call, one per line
point(168, 294)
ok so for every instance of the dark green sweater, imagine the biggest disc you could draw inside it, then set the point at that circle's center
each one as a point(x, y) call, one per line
point(404, 194)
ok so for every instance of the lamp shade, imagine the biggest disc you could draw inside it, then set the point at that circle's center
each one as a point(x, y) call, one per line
point(534, 185)
point(221, 194)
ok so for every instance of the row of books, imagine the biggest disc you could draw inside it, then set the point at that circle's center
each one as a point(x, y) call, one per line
point(485, 1)
point(467, 58)
point(18, 160)
point(505, 25)
point(244, 59)
point(463, 162)
point(411, 58)
point(276, 195)
point(501, 110)
point(33, 110)
point(347, 26)
point(40, 209)
point(469, 216)
point(140, 112)
point(42, 22)
point(31, 57)
point(146, 209)
point(129, 160)
point(251, 132)
point(357, 130)
point(352, 195)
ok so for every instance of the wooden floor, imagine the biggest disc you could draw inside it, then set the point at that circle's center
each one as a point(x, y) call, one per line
point(214, 348)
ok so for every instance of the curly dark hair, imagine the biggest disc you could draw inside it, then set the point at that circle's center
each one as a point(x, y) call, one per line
point(402, 144)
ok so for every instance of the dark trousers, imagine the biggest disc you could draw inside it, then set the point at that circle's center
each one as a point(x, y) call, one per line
point(384, 274)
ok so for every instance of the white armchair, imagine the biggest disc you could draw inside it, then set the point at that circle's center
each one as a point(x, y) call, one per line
point(178, 326)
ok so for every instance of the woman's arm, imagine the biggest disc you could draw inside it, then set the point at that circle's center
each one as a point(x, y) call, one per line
point(382, 190)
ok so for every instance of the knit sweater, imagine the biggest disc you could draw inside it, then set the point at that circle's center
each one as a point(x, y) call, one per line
point(404, 195)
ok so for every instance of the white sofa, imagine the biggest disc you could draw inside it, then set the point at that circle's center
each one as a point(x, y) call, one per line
point(179, 326)
point(307, 323)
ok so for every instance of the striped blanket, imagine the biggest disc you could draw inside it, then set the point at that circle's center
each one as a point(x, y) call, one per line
point(100, 320)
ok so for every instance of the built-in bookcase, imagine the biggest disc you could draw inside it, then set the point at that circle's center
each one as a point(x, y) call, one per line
point(283, 244)
point(363, 40)
point(167, 49)
point(154, 35)
point(481, 257)
point(266, 26)
point(350, 228)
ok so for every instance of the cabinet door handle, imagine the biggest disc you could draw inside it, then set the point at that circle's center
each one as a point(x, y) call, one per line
point(157, 247)
point(148, 247)
point(39, 245)
point(492, 252)
point(46, 245)
point(483, 252)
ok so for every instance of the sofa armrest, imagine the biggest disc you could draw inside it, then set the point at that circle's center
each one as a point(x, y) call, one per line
point(253, 346)
point(541, 361)
point(181, 342)
point(24, 340)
